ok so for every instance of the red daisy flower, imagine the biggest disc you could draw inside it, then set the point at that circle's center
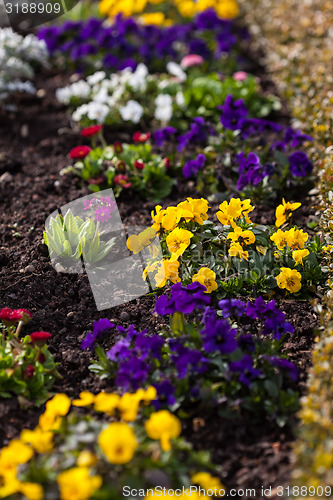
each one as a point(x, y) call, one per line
point(40, 336)
point(79, 152)
point(139, 165)
point(90, 131)
point(140, 137)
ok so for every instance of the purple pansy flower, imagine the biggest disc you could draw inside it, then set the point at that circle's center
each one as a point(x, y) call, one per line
point(299, 164)
point(192, 167)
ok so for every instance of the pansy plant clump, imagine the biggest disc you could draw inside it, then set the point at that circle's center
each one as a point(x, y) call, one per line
point(93, 44)
point(169, 98)
point(244, 153)
point(122, 166)
point(27, 368)
point(236, 256)
point(212, 357)
point(80, 456)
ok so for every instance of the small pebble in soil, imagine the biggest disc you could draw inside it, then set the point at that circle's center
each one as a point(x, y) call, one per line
point(71, 314)
point(6, 177)
point(30, 269)
point(124, 316)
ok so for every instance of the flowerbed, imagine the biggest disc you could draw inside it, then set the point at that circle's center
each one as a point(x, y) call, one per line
point(238, 363)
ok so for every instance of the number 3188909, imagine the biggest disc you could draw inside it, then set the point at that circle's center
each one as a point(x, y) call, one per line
point(33, 8)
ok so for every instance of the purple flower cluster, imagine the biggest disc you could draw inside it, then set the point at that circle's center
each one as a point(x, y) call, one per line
point(192, 167)
point(99, 327)
point(198, 133)
point(163, 134)
point(273, 319)
point(133, 352)
point(233, 113)
point(126, 42)
point(103, 207)
point(250, 169)
point(183, 299)
point(245, 369)
point(187, 361)
point(217, 334)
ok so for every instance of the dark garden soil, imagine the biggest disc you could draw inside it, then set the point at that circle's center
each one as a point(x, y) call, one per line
point(34, 143)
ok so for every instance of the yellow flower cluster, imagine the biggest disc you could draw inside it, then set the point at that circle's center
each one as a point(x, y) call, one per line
point(226, 9)
point(189, 210)
point(21, 451)
point(294, 238)
point(239, 239)
point(232, 212)
point(178, 240)
point(117, 441)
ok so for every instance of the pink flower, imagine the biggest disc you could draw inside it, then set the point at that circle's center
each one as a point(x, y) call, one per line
point(191, 60)
point(90, 131)
point(122, 180)
point(139, 165)
point(240, 76)
point(103, 214)
point(41, 337)
point(79, 152)
point(167, 162)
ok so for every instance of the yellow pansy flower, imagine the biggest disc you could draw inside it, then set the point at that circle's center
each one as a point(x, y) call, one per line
point(86, 399)
point(59, 405)
point(137, 242)
point(206, 277)
point(164, 426)
point(280, 238)
point(207, 481)
point(41, 441)
point(168, 270)
point(299, 255)
point(78, 484)
point(297, 238)
point(178, 240)
point(32, 491)
point(193, 209)
point(284, 211)
point(118, 443)
point(147, 395)
point(241, 237)
point(106, 402)
point(290, 279)
point(157, 18)
point(129, 406)
point(236, 250)
point(233, 210)
point(86, 459)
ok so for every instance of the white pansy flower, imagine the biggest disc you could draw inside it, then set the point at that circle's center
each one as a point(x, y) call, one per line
point(132, 111)
point(163, 111)
point(96, 77)
point(180, 99)
point(175, 70)
point(97, 111)
point(80, 112)
point(101, 96)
